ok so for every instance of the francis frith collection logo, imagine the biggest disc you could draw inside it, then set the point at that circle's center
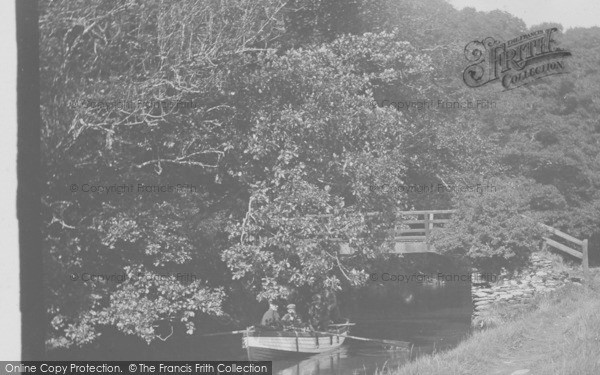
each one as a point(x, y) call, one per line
point(516, 62)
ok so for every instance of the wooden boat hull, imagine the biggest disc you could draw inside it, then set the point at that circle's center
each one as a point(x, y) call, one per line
point(264, 354)
point(267, 345)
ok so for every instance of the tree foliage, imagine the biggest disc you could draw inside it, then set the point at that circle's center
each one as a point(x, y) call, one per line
point(490, 227)
point(274, 119)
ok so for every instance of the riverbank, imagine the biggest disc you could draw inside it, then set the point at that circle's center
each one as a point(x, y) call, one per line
point(557, 333)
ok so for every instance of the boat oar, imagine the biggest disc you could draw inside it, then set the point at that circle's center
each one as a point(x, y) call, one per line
point(225, 333)
point(400, 344)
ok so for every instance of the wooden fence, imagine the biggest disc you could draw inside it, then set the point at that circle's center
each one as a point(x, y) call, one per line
point(581, 253)
point(577, 253)
point(412, 229)
point(417, 225)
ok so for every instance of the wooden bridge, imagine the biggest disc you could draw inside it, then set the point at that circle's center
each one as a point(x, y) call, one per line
point(413, 228)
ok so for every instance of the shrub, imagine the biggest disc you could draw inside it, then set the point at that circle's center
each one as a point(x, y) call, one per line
point(488, 229)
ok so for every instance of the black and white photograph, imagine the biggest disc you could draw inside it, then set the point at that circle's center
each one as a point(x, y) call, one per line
point(302, 187)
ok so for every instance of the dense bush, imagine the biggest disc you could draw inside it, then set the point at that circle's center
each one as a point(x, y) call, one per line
point(491, 228)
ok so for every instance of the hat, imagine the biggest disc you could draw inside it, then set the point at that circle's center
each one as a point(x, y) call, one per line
point(291, 306)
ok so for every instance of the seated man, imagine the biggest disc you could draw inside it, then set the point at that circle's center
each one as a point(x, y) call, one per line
point(319, 319)
point(291, 318)
point(271, 316)
point(333, 310)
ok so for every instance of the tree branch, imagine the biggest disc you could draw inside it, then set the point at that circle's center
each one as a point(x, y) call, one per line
point(182, 160)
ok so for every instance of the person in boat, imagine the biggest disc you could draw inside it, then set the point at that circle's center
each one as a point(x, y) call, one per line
point(333, 310)
point(291, 318)
point(271, 317)
point(319, 319)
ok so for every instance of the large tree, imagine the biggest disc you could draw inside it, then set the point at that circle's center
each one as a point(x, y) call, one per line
point(136, 92)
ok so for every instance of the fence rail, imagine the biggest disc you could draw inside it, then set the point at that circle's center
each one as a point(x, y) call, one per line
point(412, 229)
point(418, 229)
point(580, 254)
point(577, 253)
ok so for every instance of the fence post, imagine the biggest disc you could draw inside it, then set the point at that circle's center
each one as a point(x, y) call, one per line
point(585, 262)
point(426, 224)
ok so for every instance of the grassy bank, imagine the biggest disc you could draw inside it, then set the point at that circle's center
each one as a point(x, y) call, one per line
point(554, 334)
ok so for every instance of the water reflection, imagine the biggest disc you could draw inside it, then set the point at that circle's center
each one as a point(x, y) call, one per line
point(431, 316)
point(428, 332)
point(353, 359)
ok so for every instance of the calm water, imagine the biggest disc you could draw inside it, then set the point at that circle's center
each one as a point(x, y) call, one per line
point(431, 317)
point(349, 359)
point(427, 333)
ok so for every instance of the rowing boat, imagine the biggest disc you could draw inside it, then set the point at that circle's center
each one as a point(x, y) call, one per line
point(265, 345)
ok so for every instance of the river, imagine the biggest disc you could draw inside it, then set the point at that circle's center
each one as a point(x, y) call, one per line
point(431, 316)
point(440, 330)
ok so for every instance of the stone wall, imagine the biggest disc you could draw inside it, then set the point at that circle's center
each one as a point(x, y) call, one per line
point(540, 277)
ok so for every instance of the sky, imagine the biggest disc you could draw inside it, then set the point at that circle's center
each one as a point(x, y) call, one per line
point(569, 13)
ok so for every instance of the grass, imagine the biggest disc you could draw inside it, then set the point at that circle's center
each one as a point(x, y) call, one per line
point(554, 334)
